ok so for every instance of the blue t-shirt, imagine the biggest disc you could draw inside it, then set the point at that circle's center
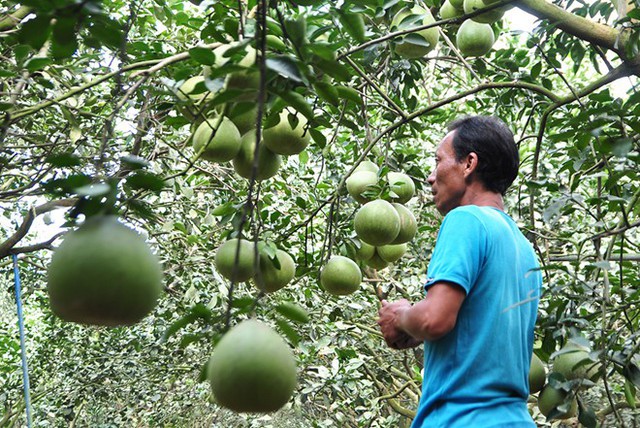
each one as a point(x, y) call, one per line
point(477, 375)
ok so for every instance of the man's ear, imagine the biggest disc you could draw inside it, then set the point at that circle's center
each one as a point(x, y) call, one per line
point(470, 164)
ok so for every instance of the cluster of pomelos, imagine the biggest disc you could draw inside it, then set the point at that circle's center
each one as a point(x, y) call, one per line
point(384, 227)
point(227, 132)
point(474, 37)
point(572, 364)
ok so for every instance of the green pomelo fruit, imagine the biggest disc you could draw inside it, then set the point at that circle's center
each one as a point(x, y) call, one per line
point(458, 4)
point(221, 146)
point(340, 276)
point(365, 252)
point(488, 17)
point(366, 165)
point(376, 262)
point(537, 374)
point(246, 80)
point(401, 186)
point(406, 48)
point(193, 100)
point(244, 119)
point(271, 278)
point(103, 273)
point(474, 38)
point(285, 140)
point(392, 252)
point(252, 369)
point(576, 364)
point(377, 223)
point(359, 182)
point(268, 162)
point(408, 224)
point(186, 90)
point(551, 398)
point(225, 260)
point(448, 11)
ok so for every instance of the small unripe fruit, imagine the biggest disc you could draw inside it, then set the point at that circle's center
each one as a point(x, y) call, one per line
point(365, 252)
point(391, 253)
point(488, 17)
point(240, 269)
point(268, 162)
point(376, 262)
point(366, 165)
point(218, 140)
point(359, 182)
point(408, 224)
point(474, 38)
point(285, 140)
point(401, 186)
point(377, 223)
point(537, 374)
point(551, 398)
point(448, 11)
point(270, 278)
point(340, 276)
point(407, 49)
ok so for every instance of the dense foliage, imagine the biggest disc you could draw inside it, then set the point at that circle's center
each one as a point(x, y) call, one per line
point(93, 120)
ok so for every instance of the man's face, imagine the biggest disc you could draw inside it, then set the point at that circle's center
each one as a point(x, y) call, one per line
point(447, 180)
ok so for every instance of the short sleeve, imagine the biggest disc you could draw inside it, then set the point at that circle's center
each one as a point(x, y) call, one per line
point(459, 252)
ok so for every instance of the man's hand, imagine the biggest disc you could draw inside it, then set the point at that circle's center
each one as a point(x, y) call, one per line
point(389, 322)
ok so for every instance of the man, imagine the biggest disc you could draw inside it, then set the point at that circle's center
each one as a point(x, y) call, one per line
point(483, 285)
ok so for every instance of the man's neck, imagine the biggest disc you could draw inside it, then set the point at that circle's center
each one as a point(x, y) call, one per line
point(478, 195)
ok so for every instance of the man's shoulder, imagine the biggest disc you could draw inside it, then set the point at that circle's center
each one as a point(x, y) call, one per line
point(465, 215)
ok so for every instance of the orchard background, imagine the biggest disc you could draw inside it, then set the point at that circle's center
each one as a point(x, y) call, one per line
point(90, 109)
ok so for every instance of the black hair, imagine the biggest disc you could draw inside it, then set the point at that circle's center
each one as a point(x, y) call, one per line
point(491, 139)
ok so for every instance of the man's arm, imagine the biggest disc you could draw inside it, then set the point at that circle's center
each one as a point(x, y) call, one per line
point(429, 319)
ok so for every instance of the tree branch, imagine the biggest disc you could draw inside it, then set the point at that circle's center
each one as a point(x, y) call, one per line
point(7, 245)
point(583, 28)
point(12, 20)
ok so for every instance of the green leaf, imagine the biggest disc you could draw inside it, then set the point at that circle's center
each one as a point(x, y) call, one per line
point(134, 162)
point(348, 93)
point(632, 373)
point(64, 42)
point(107, 31)
point(293, 312)
point(203, 56)
point(146, 181)
point(37, 63)
point(63, 159)
point(36, 31)
point(289, 331)
point(630, 393)
point(586, 416)
point(285, 66)
point(298, 102)
point(535, 70)
point(93, 190)
point(178, 325)
point(318, 137)
point(297, 30)
point(67, 184)
point(327, 92)
point(354, 24)
point(242, 302)
point(333, 68)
